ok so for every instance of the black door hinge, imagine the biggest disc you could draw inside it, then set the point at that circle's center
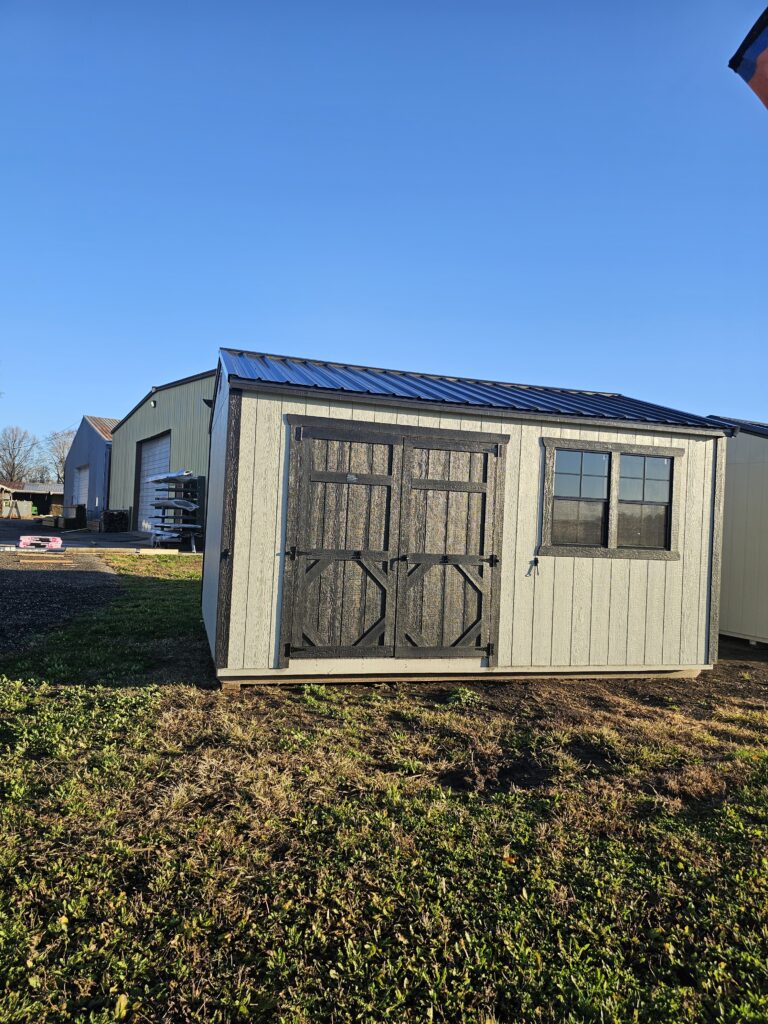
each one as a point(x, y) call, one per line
point(489, 649)
point(292, 552)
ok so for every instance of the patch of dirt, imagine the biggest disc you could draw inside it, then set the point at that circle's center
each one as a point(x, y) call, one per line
point(491, 775)
point(38, 593)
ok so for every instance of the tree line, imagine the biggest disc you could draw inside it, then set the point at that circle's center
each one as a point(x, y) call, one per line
point(25, 458)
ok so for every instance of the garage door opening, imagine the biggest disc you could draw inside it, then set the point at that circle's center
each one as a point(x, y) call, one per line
point(80, 496)
point(153, 457)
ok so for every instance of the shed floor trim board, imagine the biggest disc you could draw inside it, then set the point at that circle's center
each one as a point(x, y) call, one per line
point(231, 684)
point(460, 672)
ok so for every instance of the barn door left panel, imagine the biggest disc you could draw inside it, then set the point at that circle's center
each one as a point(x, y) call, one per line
point(342, 536)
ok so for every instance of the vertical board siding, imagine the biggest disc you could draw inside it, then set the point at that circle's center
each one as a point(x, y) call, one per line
point(244, 534)
point(509, 543)
point(213, 520)
point(636, 611)
point(581, 618)
point(744, 591)
point(692, 554)
point(700, 636)
point(527, 502)
point(673, 589)
point(566, 613)
point(654, 613)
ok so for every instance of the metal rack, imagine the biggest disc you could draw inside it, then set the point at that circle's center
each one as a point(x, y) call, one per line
point(179, 501)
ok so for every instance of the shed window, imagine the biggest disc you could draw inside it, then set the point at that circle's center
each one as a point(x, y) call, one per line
point(610, 499)
point(580, 504)
point(645, 501)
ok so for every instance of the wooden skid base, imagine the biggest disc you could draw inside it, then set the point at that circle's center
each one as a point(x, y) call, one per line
point(234, 685)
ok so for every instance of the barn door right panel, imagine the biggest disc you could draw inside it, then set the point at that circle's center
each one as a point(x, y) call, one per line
point(450, 536)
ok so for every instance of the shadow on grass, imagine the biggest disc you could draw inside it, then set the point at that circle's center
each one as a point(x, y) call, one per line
point(149, 633)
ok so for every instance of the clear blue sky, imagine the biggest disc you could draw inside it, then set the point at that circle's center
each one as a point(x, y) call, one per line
point(559, 193)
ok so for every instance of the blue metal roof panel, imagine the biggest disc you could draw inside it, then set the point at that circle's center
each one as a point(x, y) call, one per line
point(399, 384)
point(743, 426)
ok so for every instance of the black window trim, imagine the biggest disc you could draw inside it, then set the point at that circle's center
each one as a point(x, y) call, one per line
point(611, 549)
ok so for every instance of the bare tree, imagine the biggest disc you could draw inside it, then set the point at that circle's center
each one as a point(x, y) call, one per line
point(40, 473)
point(18, 449)
point(57, 445)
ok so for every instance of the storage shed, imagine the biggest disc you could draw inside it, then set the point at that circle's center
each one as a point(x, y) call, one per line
point(29, 499)
point(167, 431)
point(86, 470)
point(367, 523)
point(744, 591)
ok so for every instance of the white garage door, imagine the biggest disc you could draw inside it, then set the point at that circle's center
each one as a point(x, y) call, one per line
point(81, 486)
point(155, 459)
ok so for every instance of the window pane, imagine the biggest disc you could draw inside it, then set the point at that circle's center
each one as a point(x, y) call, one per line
point(630, 522)
point(566, 485)
point(657, 469)
point(643, 526)
point(630, 490)
point(632, 465)
point(654, 528)
point(656, 490)
point(579, 523)
point(595, 463)
point(567, 462)
point(565, 522)
point(594, 487)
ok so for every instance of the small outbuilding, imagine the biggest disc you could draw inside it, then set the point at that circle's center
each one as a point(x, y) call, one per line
point(166, 432)
point(744, 591)
point(86, 470)
point(27, 499)
point(366, 523)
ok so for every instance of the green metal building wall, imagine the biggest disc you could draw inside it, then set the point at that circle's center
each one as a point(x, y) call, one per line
point(179, 408)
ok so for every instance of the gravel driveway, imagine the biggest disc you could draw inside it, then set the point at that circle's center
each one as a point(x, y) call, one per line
point(38, 593)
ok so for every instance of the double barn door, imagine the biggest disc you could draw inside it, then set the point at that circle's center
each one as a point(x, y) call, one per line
point(393, 542)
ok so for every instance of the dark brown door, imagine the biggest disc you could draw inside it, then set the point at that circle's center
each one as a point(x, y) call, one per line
point(393, 542)
point(447, 556)
point(346, 547)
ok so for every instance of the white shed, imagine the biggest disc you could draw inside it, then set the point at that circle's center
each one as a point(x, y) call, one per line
point(367, 523)
point(744, 591)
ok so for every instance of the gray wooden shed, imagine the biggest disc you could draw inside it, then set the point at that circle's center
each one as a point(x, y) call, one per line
point(744, 591)
point(373, 523)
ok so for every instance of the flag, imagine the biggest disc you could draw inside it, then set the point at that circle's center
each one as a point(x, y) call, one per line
point(751, 59)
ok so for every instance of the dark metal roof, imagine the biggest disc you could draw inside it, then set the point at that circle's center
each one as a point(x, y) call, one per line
point(743, 426)
point(287, 371)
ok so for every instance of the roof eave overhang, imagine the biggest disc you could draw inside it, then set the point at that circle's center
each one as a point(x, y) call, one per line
point(162, 387)
point(365, 398)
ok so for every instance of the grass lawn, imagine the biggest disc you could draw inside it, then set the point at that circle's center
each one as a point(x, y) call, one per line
point(528, 852)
